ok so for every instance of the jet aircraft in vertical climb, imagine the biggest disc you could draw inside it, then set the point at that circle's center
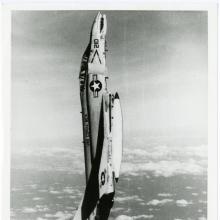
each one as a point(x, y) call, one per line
point(102, 128)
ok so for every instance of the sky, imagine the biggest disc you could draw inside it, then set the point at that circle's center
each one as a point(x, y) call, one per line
point(157, 61)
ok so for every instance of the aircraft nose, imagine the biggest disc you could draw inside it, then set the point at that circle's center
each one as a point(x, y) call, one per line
point(96, 24)
point(100, 24)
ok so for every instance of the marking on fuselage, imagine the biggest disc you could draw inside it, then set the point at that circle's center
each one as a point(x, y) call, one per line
point(96, 52)
point(95, 86)
point(96, 43)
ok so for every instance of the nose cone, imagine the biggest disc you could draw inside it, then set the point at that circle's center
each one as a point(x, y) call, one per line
point(98, 45)
point(100, 25)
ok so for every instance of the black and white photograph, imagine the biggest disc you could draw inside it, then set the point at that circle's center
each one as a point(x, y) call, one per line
point(109, 115)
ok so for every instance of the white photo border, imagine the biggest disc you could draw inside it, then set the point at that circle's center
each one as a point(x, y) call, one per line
point(5, 87)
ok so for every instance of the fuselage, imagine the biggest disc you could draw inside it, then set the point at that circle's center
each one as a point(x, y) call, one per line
point(102, 128)
point(97, 76)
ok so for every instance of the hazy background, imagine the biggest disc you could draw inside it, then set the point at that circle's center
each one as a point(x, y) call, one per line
point(157, 61)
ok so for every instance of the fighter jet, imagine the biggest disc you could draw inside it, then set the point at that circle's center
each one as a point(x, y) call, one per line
point(102, 128)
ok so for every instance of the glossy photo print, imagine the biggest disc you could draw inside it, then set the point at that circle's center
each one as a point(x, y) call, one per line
point(109, 115)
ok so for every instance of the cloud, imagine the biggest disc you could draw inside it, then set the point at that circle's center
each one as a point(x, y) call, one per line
point(29, 210)
point(60, 215)
point(33, 186)
point(68, 190)
point(54, 192)
point(42, 208)
point(183, 203)
point(202, 218)
point(195, 194)
point(48, 159)
point(143, 217)
point(166, 161)
point(73, 197)
point(117, 209)
point(160, 152)
point(37, 208)
point(128, 198)
point(159, 160)
point(37, 198)
point(14, 189)
point(125, 217)
point(163, 168)
point(156, 202)
point(73, 191)
point(70, 208)
point(164, 194)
